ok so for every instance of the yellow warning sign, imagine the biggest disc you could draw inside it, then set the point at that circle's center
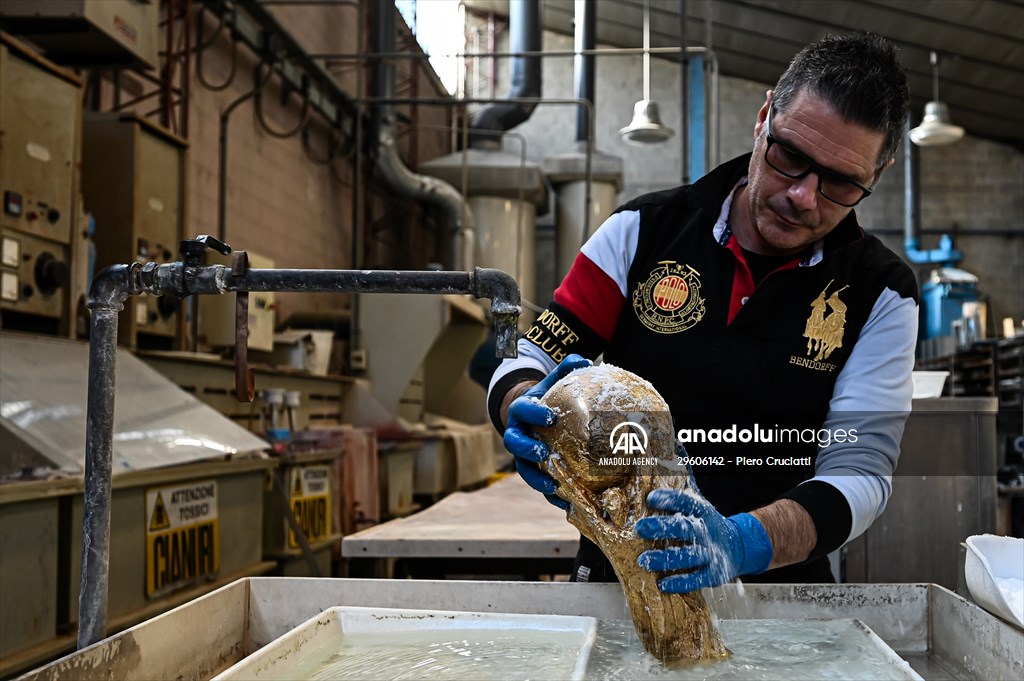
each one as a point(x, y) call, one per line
point(311, 503)
point(159, 520)
point(182, 537)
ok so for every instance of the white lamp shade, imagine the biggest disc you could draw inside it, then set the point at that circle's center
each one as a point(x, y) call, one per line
point(646, 126)
point(936, 129)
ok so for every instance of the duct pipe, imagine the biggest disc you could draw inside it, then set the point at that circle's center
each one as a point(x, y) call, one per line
point(525, 35)
point(945, 253)
point(583, 64)
point(388, 159)
point(911, 198)
point(225, 121)
point(684, 97)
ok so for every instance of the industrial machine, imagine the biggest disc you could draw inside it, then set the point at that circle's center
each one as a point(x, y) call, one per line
point(187, 483)
point(944, 295)
point(133, 183)
point(114, 32)
point(504, 192)
point(40, 110)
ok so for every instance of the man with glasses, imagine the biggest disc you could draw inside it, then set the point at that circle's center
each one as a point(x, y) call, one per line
point(755, 304)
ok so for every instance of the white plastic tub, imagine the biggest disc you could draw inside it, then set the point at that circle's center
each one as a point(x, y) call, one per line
point(363, 642)
point(992, 566)
point(929, 384)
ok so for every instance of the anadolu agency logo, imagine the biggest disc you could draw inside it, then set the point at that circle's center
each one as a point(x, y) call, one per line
point(628, 439)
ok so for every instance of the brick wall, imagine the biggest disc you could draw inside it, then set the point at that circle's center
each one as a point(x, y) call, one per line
point(281, 203)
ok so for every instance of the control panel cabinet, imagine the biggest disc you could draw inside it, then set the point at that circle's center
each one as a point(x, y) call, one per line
point(40, 147)
point(133, 183)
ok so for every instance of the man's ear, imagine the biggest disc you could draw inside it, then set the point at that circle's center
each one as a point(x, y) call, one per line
point(762, 114)
point(888, 164)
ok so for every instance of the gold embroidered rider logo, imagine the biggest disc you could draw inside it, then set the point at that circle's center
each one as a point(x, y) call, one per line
point(824, 332)
point(669, 300)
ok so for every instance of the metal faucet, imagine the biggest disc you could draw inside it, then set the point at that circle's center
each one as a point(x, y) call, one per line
point(189, 276)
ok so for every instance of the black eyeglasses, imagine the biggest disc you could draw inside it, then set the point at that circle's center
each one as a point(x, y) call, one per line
point(793, 164)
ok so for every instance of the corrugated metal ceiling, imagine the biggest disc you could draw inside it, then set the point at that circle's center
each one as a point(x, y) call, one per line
point(980, 42)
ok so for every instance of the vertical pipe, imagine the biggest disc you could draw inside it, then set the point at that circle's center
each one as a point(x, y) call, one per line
point(355, 328)
point(911, 195)
point(225, 121)
point(684, 99)
point(382, 80)
point(186, 72)
point(708, 10)
point(585, 38)
point(647, 50)
point(525, 32)
point(698, 139)
point(99, 444)
point(491, 49)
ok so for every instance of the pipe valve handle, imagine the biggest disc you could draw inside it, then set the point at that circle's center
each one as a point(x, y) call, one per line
point(193, 251)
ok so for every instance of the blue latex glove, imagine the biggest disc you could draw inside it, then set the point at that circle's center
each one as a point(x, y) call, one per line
point(717, 548)
point(525, 412)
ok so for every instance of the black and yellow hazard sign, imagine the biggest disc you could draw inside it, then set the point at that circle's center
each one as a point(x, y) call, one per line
point(158, 520)
point(182, 536)
point(311, 503)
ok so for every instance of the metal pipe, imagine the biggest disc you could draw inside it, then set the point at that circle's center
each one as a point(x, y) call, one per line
point(525, 35)
point(114, 285)
point(583, 64)
point(714, 134)
point(355, 328)
point(110, 288)
point(222, 180)
point(180, 279)
point(388, 159)
point(960, 232)
point(684, 99)
point(588, 166)
point(177, 279)
point(712, 149)
point(298, 3)
point(647, 50)
point(598, 52)
point(945, 254)
point(911, 198)
point(92, 599)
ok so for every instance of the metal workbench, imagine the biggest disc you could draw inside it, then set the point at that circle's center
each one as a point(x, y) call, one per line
point(506, 528)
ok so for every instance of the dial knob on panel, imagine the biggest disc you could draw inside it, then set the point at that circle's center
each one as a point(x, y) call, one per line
point(50, 273)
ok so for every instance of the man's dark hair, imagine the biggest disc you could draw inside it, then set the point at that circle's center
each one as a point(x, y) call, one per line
point(859, 76)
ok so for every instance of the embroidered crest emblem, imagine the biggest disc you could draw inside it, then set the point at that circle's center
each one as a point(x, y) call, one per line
point(824, 332)
point(669, 300)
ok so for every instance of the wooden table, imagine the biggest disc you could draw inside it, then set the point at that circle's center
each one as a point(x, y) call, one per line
point(504, 529)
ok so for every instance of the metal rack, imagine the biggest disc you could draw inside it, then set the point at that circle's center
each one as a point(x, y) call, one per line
point(972, 371)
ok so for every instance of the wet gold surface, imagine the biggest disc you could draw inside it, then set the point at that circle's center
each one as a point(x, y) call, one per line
point(607, 500)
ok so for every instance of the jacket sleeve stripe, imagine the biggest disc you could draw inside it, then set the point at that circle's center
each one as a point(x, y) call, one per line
point(591, 296)
point(613, 246)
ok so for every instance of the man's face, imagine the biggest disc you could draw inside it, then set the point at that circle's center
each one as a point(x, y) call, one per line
point(788, 214)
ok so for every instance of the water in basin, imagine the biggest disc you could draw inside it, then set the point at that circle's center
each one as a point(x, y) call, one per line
point(794, 650)
point(762, 649)
point(454, 654)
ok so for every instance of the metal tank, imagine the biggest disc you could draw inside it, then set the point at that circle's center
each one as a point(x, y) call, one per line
point(939, 634)
point(505, 193)
point(568, 174)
